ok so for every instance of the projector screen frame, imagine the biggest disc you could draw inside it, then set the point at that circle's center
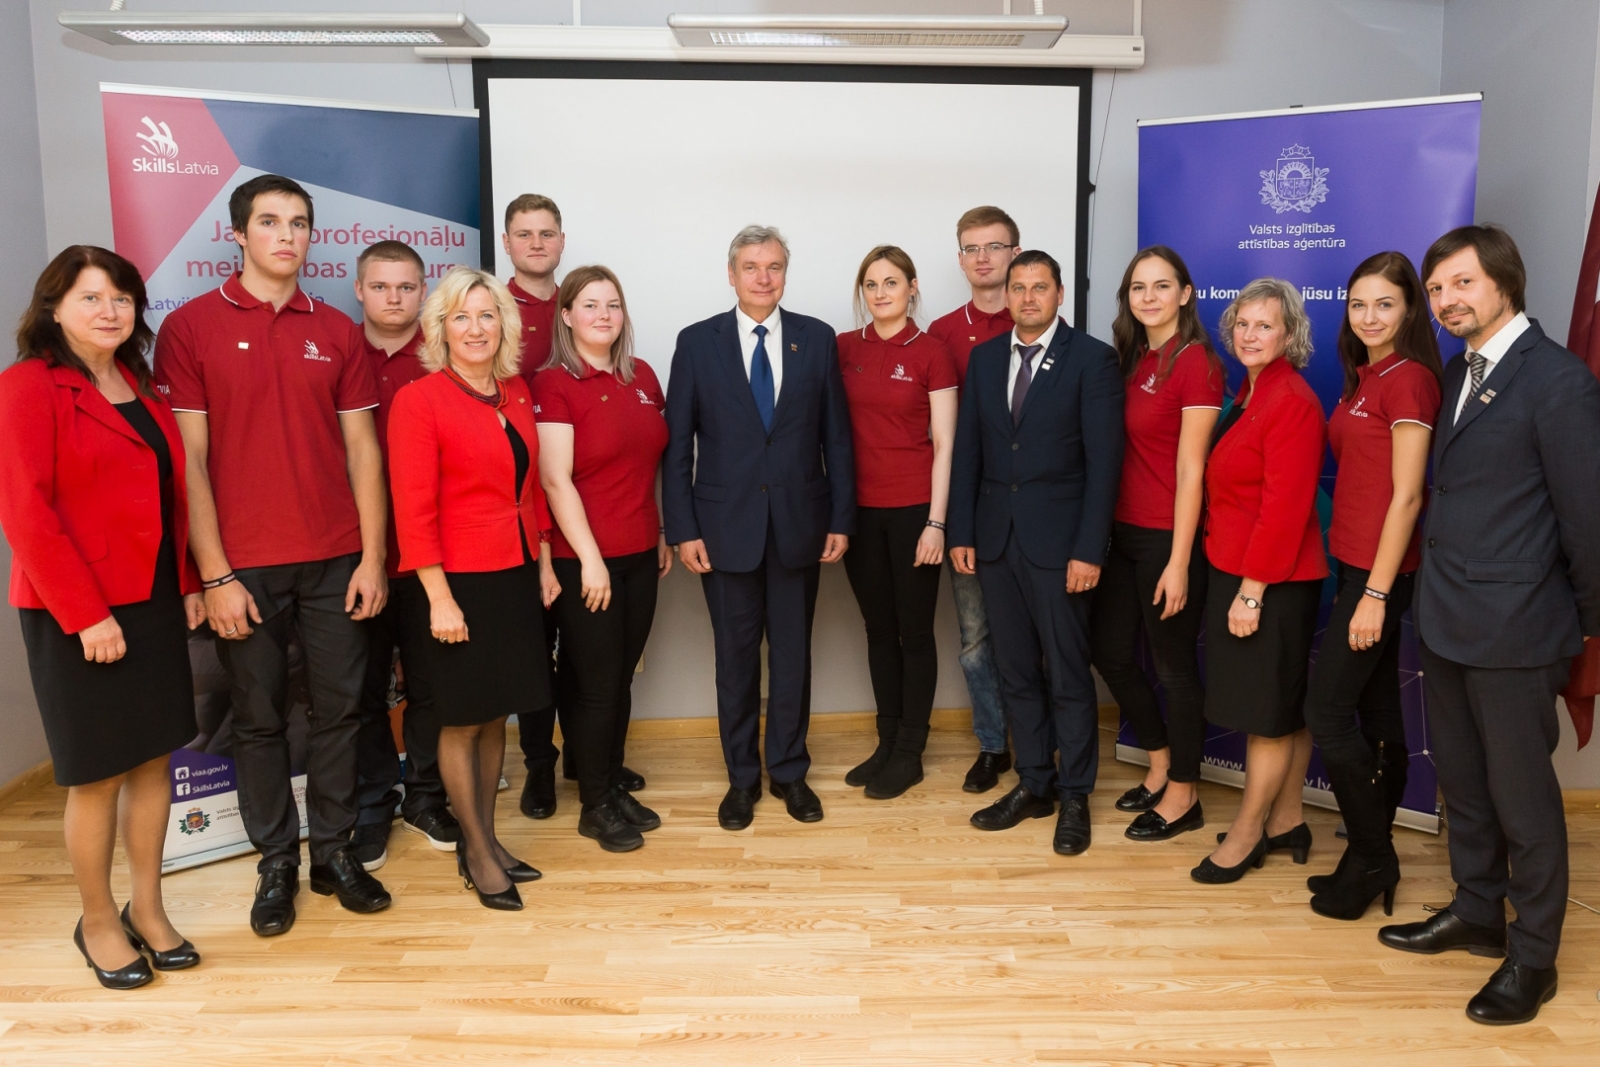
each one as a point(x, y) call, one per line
point(1081, 78)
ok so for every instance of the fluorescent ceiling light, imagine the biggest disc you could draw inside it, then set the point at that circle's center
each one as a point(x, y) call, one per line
point(865, 31)
point(272, 28)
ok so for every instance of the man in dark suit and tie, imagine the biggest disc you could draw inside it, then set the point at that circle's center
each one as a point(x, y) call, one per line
point(1509, 591)
point(1038, 458)
point(758, 486)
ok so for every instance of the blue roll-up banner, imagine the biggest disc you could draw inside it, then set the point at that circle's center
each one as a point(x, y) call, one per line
point(1306, 194)
point(375, 173)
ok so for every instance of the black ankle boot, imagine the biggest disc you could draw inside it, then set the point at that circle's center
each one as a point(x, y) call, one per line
point(904, 766)
point(862, 773)
point(1364, 881)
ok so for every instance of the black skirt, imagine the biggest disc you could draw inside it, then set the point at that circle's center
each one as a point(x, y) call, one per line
point(502, 668)
point(1257, 684)
point(105, 719)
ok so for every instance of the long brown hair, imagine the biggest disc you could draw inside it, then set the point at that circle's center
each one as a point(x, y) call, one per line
point(39, 335)
point(1127, 332)
point(1414, 339)
point(564, 347)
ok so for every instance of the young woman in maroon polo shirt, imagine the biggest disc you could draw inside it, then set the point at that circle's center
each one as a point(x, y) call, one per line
point(470, 517)
point(1264, 549)
point(901, 385)
point(93, 503)
point(601, 435)
point(1154, 580)
point(1381, 433)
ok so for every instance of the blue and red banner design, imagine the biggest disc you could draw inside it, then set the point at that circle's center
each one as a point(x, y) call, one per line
point(175, 155)
point(1306, 195)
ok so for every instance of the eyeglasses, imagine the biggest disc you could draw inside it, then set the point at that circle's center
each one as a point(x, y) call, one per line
point(994, 248)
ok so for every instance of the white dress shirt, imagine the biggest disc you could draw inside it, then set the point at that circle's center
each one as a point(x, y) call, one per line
point(1493, 350)
point(747, 345)
point(1043, 341)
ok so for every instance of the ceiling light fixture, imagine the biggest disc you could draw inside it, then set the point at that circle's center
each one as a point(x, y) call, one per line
point(865, 31)
point(275, 28)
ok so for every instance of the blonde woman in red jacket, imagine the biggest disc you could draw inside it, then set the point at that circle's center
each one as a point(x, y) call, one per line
point(473, 523)
point(1264, 548)
point(93, 503)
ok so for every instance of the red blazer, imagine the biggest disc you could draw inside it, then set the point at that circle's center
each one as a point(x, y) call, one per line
point(80, 498)
point(1261, 483)
point(450, 472)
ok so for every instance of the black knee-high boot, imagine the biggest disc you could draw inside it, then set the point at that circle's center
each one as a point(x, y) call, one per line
point(1370, 867)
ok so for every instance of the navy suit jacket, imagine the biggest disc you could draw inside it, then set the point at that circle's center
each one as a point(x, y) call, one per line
point(1052, 477)
point(725, 478)
point(1510, 571)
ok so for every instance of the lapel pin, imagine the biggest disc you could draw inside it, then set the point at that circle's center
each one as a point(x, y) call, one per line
point(244, 344)
point(794, 348)
point(1488, 395)
point(604, 397)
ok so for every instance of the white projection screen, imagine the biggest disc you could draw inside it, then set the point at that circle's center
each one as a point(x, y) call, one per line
point(657, 165)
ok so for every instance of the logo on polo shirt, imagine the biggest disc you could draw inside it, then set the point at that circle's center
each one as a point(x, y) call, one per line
point(1355, 409)
point(160, 150)
point(1150, 384)
point(312, 353)
point(644, 397)
point(900, 374)
point(1296, 183)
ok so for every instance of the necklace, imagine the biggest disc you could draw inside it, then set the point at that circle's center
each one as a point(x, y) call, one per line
point(497, 401)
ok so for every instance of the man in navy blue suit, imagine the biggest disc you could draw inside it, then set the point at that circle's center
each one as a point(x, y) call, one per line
point(758, 487)
point(1038, 457)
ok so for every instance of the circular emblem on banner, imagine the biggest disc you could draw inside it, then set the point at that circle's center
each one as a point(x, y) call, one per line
point(193, 821)
point(1296, 183)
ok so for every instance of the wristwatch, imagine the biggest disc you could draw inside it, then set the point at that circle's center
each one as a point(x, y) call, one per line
point(1250, 602)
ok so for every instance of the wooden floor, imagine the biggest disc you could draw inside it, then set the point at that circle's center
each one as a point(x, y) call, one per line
point(890, 933)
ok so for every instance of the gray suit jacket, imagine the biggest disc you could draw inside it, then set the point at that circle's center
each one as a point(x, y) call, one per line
point(1511, 546)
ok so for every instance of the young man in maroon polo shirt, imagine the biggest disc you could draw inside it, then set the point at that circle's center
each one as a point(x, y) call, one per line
point(987, 240)
point(286, 520)
point(390, 286)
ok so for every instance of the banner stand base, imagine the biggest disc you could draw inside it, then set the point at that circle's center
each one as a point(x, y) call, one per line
point(1321, 798)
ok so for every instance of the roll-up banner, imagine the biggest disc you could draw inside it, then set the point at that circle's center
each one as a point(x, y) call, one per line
point(374, 173)
point(1306, 194)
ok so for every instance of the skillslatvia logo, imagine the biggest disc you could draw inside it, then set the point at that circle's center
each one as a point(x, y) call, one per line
point(1296, 183)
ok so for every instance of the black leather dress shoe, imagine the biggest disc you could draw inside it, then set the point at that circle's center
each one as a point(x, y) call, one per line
point(1513, 994)
point(638, 816)
point(985, 774)
point(1140, 799)
point(1011, 809)
point(1151, 825)
point(342, 876)
point(1072, 827)
point(273, 911)
point(632, 781)
point(804, 805)
point(738, 808)
point(539, 791)
point(1442, 933)
point(173, 959)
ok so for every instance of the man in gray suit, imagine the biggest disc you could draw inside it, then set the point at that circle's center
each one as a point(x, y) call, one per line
point(1509, 592)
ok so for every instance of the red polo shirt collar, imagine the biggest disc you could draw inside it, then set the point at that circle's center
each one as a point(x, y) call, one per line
point(909, 333)
point(234, 292)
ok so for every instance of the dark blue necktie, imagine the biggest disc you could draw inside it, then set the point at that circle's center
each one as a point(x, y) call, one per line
point(1019, 390)
point(761, 379)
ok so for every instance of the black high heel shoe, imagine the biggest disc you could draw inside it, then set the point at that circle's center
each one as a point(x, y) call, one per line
point(1351, 896)
point(173, 959)
point(132, 976)
point(1212, 873)
point(1296, 840)
point(508, 899)
point(523, 872)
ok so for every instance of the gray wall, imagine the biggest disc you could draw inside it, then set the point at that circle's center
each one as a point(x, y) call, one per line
point(22, 255)
point(1540, 163)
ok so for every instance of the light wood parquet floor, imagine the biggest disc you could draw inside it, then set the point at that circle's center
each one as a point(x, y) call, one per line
point(892, 933)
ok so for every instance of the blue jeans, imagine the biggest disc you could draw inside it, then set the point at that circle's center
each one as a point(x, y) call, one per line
point(977, 663)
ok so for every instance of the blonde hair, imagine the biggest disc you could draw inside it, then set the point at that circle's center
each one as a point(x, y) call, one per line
point(564, 347)
point(897, 258)
point(448, 298)
point(1296, 324)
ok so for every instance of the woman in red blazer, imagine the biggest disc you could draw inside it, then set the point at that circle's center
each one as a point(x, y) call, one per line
point(470, 521)
point(92, 502)
point(1264, 549)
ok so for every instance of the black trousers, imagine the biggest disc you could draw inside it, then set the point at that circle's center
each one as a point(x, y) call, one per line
point(1041, 645)
point(1353, 704)
point(897, 600)
point(601, 650)
point(778, 603)
point(1121, 608)
point(404, 623)
point(1491, 732)
point(536, 732)
point(307, 598)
